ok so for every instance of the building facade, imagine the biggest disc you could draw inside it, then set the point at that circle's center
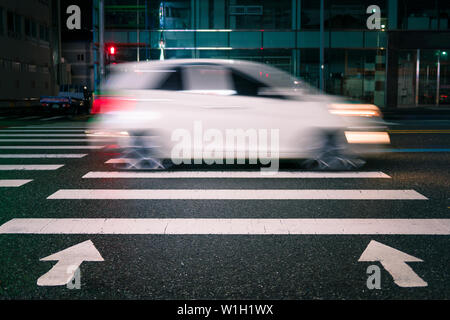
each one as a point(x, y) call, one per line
point(30, 51)
point(402, 63)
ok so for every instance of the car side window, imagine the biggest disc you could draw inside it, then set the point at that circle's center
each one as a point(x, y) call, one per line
point(207, 79)
point(172, 82)
point(247, 86)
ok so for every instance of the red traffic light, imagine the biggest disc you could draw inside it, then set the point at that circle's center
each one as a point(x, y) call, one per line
point(112, 50)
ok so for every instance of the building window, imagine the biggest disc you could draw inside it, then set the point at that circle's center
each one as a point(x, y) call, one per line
point(262, 14)
point(418, 15)
point(33, 29)
point(42, 32)
point(1, 21)
point(27, 27)
point(80, 57)
point(14, 24)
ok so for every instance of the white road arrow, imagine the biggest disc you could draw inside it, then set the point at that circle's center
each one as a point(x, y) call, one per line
point(394, 261)
point(68, 263)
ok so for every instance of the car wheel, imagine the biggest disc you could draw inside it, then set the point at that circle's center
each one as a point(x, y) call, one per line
point(141, 156)
point(331, 153)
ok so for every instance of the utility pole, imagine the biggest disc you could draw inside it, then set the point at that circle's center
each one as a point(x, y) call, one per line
point(101, 23)
point(322, 55)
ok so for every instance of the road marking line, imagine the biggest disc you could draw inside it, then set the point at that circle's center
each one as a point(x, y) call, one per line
point(8, 167)
point(37, 156)
point(29, 118)
point(17, 135)
point(40, 130)
point(46, 127)
point(55, 140)
point(237, 194)
point(420, 131)
point(52, 118)
point(417, 150)
point(229, 226)
point(13, 183)
point(49, 147)
point(231, 174)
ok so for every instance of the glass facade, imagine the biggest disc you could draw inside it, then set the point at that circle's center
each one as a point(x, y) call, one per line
point(283, 33)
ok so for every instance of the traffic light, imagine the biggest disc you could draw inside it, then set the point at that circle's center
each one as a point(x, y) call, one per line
point(111, 52)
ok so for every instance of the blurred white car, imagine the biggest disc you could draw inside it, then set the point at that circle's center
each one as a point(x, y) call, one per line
point(147, 105)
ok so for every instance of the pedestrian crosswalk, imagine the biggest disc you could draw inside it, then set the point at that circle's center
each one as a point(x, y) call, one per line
point(9, 141)
point(67, 136)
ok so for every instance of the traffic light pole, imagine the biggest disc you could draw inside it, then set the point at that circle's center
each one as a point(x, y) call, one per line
point(102, 39)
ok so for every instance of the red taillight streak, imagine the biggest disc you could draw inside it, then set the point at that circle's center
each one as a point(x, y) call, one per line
point(110, 104)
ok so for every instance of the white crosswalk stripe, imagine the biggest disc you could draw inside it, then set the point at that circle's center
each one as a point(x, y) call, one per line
point(13, 183)
point(17, 135)
point(233, 174)
point(40, 130)
point(8, 167)
point(46, 127)
point(43, 155)
point(236, 194)
point(49, 147)
point(56, 140)
point(52, 118)
point(230, 226)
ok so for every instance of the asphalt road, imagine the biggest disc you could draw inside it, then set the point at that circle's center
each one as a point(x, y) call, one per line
point(282, 265)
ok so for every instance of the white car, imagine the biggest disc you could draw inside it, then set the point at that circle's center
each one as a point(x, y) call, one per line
point(190, 109)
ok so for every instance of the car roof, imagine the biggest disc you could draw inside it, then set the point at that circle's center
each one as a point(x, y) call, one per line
point(171, 62)
point(252, 69)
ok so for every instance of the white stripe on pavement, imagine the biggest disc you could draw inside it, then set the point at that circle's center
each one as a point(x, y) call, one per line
point(52, 118)
point(237, 194)
point(49, 147)
point(56, 140)
point(8, 167)
point(18, 135)
point(29, 118)
point(229, 226)
point(45, 155)
point(47, 127)
point(40, 130)
point(13, 183)
point(232, 174)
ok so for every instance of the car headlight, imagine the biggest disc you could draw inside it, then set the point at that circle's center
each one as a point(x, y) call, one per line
point(355, 110)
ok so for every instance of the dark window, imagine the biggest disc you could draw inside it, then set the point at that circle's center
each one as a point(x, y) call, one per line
point(1, 21)
point(173, 82)
point(10, 21)
point(245, 86)
point(27, 27)
point(14, 24)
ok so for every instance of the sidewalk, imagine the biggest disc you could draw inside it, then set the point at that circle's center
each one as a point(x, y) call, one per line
point(428, 113)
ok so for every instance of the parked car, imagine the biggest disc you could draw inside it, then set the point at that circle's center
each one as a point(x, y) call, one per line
point(146, 106)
